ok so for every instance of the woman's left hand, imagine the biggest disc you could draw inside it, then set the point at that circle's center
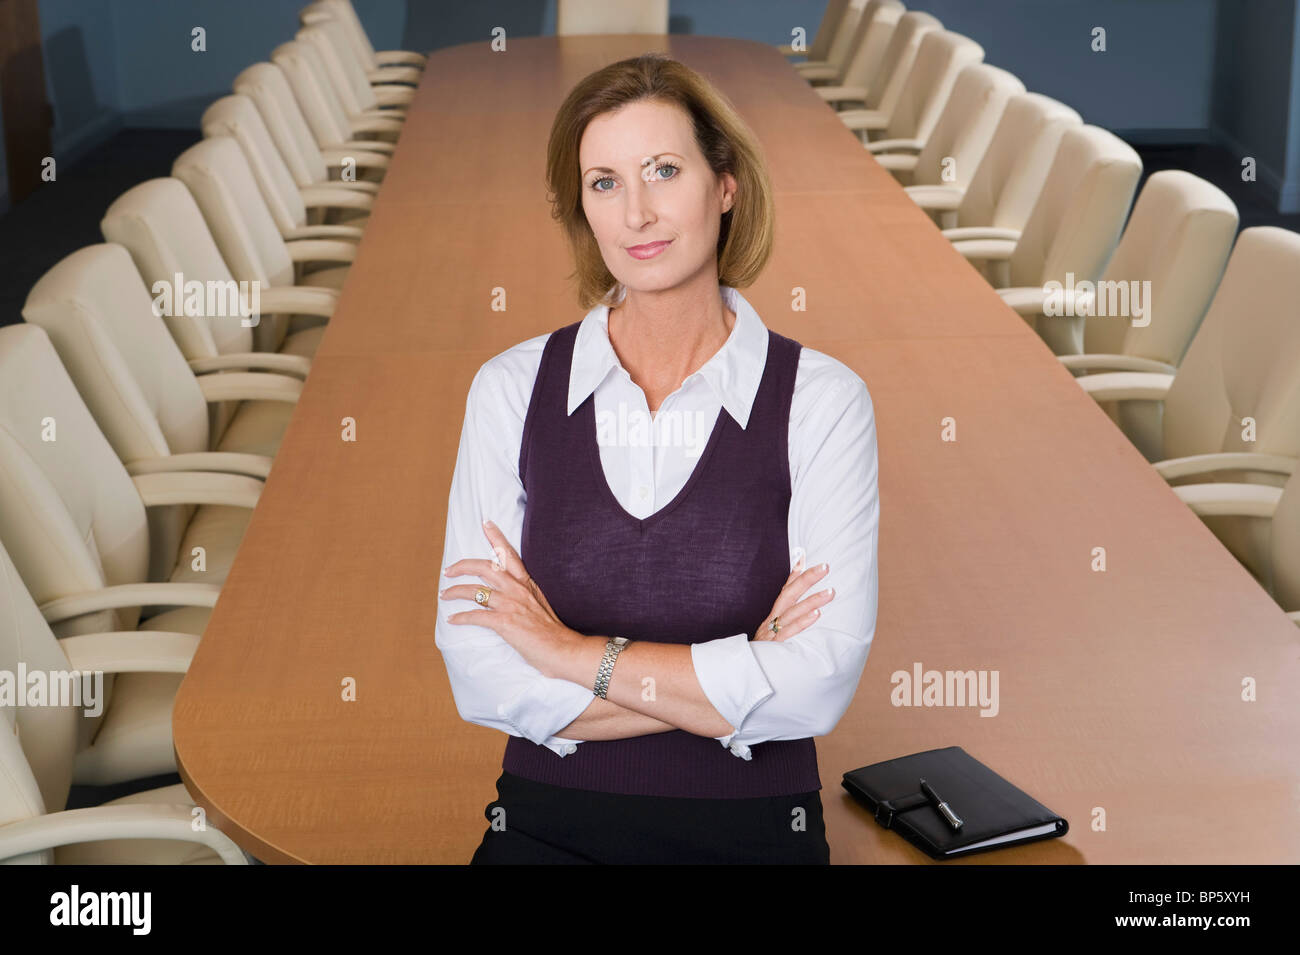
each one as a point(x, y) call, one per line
point(517, 609)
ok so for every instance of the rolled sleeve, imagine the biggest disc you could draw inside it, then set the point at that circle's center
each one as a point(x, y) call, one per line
point(542, 708)
point(732, 680)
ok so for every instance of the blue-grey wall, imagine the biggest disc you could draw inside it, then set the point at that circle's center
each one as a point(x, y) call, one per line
point(1173, 70)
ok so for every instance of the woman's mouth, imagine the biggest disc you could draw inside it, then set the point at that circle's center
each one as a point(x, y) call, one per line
point(647, 251)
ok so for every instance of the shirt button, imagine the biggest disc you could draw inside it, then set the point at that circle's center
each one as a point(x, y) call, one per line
point(643, 491)
point(741, 750)
point(570, 749)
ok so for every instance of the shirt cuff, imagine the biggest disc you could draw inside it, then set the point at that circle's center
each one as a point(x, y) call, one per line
point(733, 682)
point(545, 707)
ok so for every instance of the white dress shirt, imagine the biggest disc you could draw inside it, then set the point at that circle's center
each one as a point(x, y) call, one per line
point(766, 690)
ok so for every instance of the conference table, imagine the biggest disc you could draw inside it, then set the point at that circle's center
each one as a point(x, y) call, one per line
point(316, 723)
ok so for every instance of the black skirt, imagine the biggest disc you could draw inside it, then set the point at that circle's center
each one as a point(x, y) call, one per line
point(535, 823)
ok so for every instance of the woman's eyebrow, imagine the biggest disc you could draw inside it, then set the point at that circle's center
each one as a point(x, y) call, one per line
point(607, 169)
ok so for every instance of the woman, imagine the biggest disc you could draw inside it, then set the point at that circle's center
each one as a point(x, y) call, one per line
point(659, 603)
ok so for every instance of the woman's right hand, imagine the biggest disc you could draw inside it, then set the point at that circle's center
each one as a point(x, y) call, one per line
point(796, 615)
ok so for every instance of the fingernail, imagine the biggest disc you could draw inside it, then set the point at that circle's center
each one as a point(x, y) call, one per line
point(817, 613)
point(831, 591)
point(488, 524)
point(441, 592)
point(825, 566)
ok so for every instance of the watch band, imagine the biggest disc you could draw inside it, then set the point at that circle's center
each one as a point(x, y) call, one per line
point(613, 647)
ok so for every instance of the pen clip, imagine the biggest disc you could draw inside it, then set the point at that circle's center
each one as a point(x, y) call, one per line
point(886, 809)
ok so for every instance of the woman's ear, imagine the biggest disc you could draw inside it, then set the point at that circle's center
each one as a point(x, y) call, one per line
point(729, 193)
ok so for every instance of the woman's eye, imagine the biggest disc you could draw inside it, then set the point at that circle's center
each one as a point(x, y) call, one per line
point(597, 183)
point(667, 166)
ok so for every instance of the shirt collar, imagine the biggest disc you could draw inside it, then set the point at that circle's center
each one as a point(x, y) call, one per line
point(733, 373)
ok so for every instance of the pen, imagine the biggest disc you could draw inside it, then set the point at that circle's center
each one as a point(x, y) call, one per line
point(953, 819)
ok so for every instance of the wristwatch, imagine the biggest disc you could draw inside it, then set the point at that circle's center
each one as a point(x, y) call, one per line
point(613, 647)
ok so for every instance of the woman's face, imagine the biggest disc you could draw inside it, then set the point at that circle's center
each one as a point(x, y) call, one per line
point(645, 181)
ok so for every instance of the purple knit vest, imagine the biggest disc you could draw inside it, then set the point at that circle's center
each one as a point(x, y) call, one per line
point(708, 564)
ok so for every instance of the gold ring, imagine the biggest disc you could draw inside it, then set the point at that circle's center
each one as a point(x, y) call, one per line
point(775, 625)
point(482, 596)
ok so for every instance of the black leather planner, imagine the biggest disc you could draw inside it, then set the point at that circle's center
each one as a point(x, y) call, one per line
point(993, 813)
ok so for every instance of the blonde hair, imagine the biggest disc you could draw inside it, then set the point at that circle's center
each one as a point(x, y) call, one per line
point(727, 143)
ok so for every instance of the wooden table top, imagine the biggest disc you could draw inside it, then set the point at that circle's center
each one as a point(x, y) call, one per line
point(1120, 691)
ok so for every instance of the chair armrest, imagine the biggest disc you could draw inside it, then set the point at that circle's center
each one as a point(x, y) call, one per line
point(1031, 301)
point(130, 595)
point(1116, 363)
point(321, 250)
point(1230, 500)
point(1127, 386)
point(863, 119)
point(937, 198)
point(1174, 468)
point(296, 365)
point(198, 487)
point(131, 651)
point(365, 145)
point(394, 74)
point(313, 196)
point(227, 462)
point(249, 386)
point(401, 58)
point(993, 250)
point(349, 232)
point(895, 145)
point(842, 94)
point(100, 823)
point(299, 300)
point(364, 159)
point(390, 95)
point(897, 162)
point(965, 233)
point(374, 124)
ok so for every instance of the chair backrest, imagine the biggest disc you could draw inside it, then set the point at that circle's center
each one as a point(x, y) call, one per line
point(127, 368)
point(957, 144)
point(886, 85)
point(37, 743)
point(579, 17)
point(237, 116)
point(1178, 238)
point(941, 56)
point(826, 30)
point(1006, 183)
point(161, 225)
point(345, 75)
point(325, 115)
point(1238, 387)
point(1080, 211)
point(360, 40)
point(266, 86)
point(876, 27)
point(70, 515)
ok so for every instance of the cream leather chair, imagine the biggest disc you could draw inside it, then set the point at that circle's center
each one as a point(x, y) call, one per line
point(886, 87)
point(218, 176)
point(879, 19)
point(830, 69)
point(75, 524)
point(1072, 230)
point(996, 201)
point(1280, 507)
point(1232, 412)
point(328, 121)
point(38, 749)
point(160, 224)
point(586, 17)
point(960, 136)
point(348, 79)
point(941, 56)
point(832, 14)
point(854, 52)
point(325, 12)
point(375, 62)
point(146, 399)
point(236, 116)
point(1177, 239)
point(265, 84)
